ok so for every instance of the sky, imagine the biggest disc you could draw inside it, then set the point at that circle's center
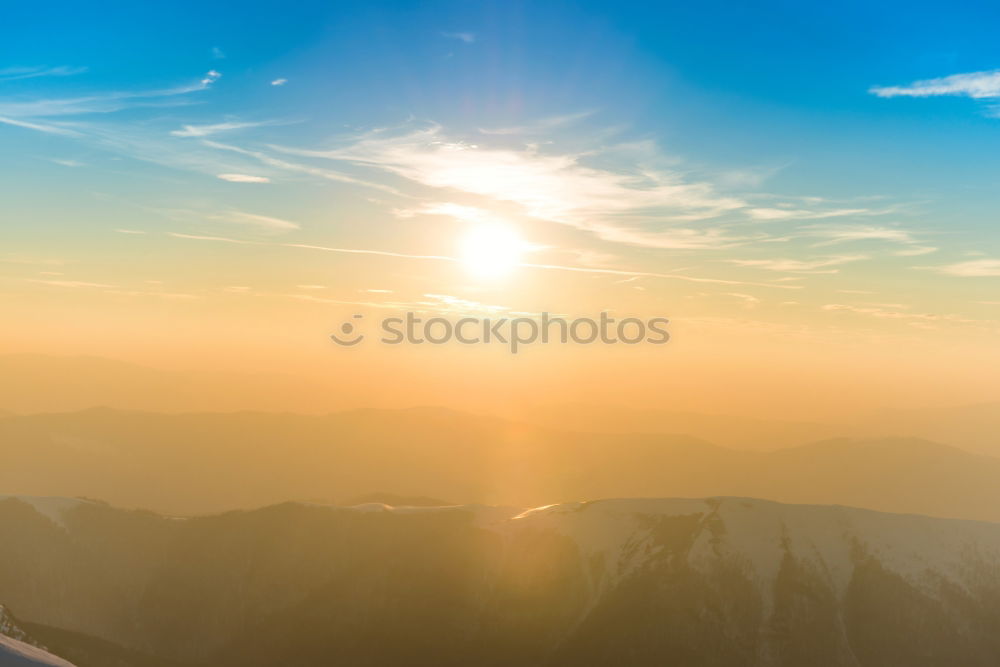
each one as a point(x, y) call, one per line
point(807, 193)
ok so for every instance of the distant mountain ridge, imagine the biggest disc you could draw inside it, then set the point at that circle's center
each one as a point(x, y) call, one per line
point(716, 581)
point(197, 463)
point(53, 384)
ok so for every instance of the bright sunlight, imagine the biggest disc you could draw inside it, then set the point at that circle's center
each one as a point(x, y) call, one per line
point(491, 250)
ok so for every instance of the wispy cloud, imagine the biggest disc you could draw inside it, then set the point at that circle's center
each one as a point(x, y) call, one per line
point(467, 37)
point(102, 102)
point(244, 178)
point(978, 268)
point(278, 163)
point(915, 251)
point(540, 126)
point(202, 237)
point(822, 265)
point(72, 284)
point(900, 312)
point(279, 82)
point(16, 73)
point(546, 267)
point(264, 221)
point(977, 85)
point(215, 128)
point(837, 234)
point(769, 214)
point(47, 128)
point(565, 188)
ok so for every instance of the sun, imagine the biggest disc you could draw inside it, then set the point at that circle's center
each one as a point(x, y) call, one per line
point(491, 250)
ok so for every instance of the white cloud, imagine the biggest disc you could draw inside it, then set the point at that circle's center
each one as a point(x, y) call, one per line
point(279, 82)
point(218, 53)
point(244, 178)
point(614, 204)
point(979, 268)
point(977, 85)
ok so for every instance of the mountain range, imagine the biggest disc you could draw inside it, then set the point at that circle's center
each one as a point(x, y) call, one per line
point(199, 463)
point(55, 384)
point(715, 581)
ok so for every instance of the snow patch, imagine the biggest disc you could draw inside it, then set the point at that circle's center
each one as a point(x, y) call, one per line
point(53, 508)
point(15, 653)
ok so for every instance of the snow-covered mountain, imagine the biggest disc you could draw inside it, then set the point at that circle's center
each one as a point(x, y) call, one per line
point(19, 649)
point(717, 581)
point(9, 627)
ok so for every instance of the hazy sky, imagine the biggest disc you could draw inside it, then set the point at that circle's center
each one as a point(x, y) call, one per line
point(807, 192)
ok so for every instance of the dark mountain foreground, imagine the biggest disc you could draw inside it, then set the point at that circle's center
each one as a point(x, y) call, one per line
point(719, 581)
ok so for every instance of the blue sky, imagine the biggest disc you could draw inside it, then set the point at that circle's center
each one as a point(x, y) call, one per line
point(719, 83)
point(779, 146)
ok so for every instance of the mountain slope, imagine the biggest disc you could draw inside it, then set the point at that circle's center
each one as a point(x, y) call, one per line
point(723, 581)
point(15, 653)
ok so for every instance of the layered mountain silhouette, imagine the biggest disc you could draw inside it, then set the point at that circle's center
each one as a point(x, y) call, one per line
point(718, 581)
point(44, 383)
point(196, 463)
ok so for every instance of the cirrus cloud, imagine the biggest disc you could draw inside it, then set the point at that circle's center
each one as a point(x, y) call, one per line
point(977, 268)
point(244, 178)
point(977, 85)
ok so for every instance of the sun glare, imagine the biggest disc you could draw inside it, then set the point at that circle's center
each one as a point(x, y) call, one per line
point(491, 251)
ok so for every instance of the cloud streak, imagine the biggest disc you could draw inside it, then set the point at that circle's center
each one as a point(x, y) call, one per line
point(823, 265)
point(18, 73)
point(978, 268)
point(207, 130)
point(254, 220)
point(977, 85)
point(103, 102)
point(244, 178)
point(47, 128)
